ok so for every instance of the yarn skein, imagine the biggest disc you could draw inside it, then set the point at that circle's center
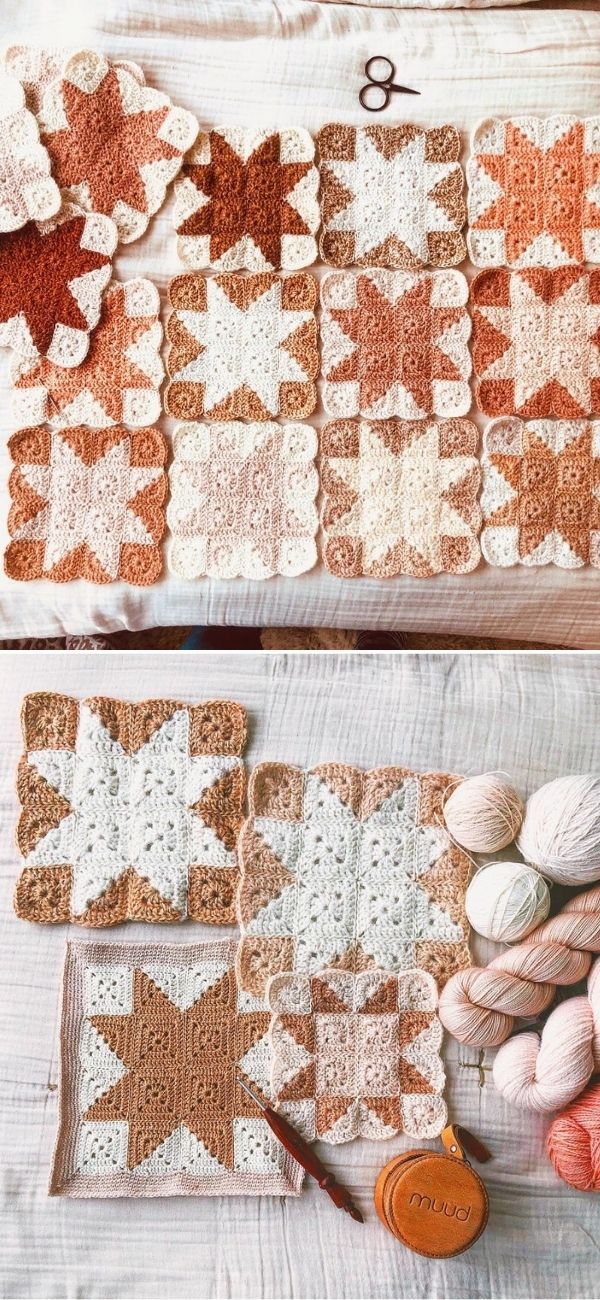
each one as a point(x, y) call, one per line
point(543, 1073)
point(506, 900)
point(573, 1142)
point(479, 1006)
point(560, 834)
point(483, 813)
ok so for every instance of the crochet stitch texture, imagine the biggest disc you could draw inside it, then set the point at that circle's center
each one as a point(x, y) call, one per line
point(394, 343)
point(154, 1039)
point(86, 504)
point(400, 496)
point(114, 142)
point(391, 196)
point(349, 869)
point(27, 190)
point(248, 199)
point(357, 1055)
point(243, 500)
point(533, 191)
point(129, 811)
point(536, 342)
point(541, 493)
point(242, 347)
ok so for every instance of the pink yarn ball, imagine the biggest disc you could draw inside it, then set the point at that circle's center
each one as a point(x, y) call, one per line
point(573, 1142)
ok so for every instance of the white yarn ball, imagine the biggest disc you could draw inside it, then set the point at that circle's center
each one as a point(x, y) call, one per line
point(561, 830)
point(506, 900)
point(483, 813)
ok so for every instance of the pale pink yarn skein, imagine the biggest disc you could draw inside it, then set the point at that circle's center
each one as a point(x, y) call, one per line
point(479, 1006)
point(543, 1073)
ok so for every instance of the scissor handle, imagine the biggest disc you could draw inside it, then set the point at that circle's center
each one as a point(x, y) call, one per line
point(379, 81)
point(365, 91)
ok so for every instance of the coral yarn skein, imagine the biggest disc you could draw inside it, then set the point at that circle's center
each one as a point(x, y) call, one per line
point(573, 1142)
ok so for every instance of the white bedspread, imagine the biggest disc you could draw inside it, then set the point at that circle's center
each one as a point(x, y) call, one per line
point(536, 716)
point(284, 62)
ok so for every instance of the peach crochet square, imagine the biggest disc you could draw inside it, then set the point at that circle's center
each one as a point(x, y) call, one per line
point(349, 869)
point(86, 504)
point(400, 496)
point(541, 493)
point(119, 380)
point(247, 198)
point(35, 68)
point(394, 343)
point(154, 1040)
point(242, 347)
point(27, 190)
point(357, 1055)
point(534, 191)
point(391, 196)
point(114, 142)
point(129, 811)
point(536, 342)
point(243, 500)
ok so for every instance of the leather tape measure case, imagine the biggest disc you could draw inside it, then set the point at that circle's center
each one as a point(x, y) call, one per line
point(433, 1202)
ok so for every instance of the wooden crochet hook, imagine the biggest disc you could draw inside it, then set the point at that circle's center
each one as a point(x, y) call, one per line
point(305, 1155)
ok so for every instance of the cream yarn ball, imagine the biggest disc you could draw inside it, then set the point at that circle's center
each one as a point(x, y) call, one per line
point(483, 813)
point(560, 834)
point(506, 900)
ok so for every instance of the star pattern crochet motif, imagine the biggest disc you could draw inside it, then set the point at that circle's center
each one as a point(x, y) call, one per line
point(36, 273)
point(396, 342)
point(181, 1068)
point(247, 197)
point(104, 147)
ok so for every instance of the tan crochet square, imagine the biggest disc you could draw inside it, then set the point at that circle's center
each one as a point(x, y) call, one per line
point(155, 1038)
point(349, 869)
point(129, 811)
point(400, 496)
point(391, 196)
point(357, 1055)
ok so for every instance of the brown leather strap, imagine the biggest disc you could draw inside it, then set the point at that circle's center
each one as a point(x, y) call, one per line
point(457, 1140)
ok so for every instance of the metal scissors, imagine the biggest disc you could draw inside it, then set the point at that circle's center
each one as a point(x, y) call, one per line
point(378, 91)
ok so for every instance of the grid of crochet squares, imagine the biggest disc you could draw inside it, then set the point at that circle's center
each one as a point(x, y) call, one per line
point(243, 500)
point(155, 1038)
point(400, 496)
point(248, 199)
point(242, 347)
point(394, 343)
point(391, 196)
point(349, 869)
point(115, 143)
point(541, 493)
point(534, 191)
point(87, 504)
point(536, 342)
point(357, 1055)
point(27, 190)
point(119, 380)
point(129, 811)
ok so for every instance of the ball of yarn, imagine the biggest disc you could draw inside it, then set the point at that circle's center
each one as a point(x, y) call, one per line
point(506, 900)
point(483, 813)
point(561, 830)
point(573, 1142)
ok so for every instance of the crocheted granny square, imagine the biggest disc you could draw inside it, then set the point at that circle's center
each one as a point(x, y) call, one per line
point(400, 496)
point(242, 347)
point(115, 143)
point(357, 1055)
point(86, 505)
point(395, 344)
point(536, 342)
point(129, 811)
point(534, 191)
point(391, 196)
point(35, 68)
point(52, 275)
point(349, 869)
point(119, 380)
point(248, 198)
point(243, 500)
point(541, 493)
point(155, 1038)
point(27, 190)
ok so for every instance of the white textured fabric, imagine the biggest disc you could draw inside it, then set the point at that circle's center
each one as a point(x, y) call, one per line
point(300, 63)
point(536, 717)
